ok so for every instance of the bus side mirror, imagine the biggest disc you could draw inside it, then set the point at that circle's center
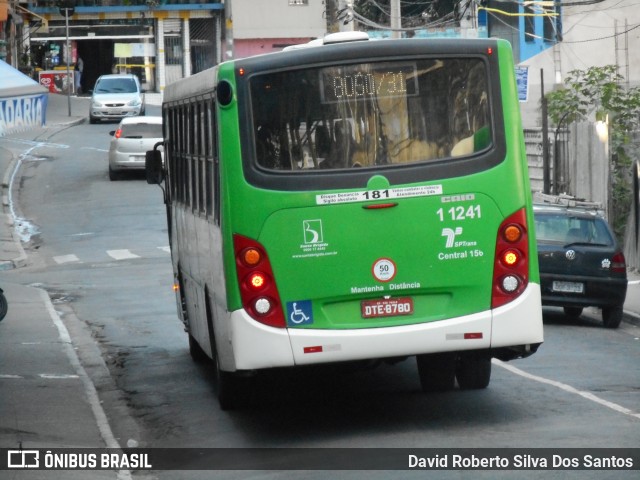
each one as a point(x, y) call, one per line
point(153, 167)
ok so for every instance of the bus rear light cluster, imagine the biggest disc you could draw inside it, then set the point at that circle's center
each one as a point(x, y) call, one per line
point(258, 289)
point(511, 265)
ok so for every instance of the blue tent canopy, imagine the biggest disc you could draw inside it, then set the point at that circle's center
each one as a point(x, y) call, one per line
point(14, 83)
point(23, 101)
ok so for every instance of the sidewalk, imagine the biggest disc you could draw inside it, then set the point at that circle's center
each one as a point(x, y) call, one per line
point(48, 401)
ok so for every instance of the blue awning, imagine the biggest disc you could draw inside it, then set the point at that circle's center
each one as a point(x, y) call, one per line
point(14, 83)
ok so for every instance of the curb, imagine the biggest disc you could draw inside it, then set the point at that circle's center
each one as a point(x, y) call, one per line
point(631, 317)
point(21, 259)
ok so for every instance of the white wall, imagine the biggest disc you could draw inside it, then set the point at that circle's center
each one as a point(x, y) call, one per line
point(278, 19)
point(589, 40)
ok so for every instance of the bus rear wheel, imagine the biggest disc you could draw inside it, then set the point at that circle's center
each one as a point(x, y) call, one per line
point(473, 370)
point(437, 371)
point(229, 388)
point(198, 355)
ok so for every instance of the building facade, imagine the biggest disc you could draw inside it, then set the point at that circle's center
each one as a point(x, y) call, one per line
point(270, 25)
point(161, 41)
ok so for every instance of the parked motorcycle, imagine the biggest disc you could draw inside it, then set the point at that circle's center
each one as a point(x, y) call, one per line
point(4, 306)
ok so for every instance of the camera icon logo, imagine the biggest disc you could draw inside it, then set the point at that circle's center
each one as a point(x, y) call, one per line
point(23, 459)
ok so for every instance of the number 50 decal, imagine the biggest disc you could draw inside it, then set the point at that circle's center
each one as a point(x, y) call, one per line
point(384, 270)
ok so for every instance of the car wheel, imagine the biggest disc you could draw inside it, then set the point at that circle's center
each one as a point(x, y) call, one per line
point(573, 312)
point(92, 120)
point(113, 175)
point(473, 370)
point(437, 371)
point(612, 316)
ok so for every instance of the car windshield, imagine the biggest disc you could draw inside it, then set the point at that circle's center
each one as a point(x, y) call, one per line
point(142, 130)
point(116, 85)
point(568, 229)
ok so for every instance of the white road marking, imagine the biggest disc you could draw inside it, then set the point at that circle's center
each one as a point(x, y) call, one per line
point(60, 259)
point(568, 388)
point(122, 254)
point(90, 389)
point(57, 376)
point(119, 254)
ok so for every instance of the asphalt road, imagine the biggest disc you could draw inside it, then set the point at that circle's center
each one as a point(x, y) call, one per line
point(99, 249)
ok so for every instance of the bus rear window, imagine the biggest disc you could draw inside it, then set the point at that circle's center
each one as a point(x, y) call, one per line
point(371, 114)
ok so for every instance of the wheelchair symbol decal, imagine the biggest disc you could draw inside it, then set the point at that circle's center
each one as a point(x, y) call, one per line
point(299, 312)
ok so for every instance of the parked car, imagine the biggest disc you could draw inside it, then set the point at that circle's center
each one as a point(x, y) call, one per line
point(581, 262)
point(115, 97)
point(130, 142)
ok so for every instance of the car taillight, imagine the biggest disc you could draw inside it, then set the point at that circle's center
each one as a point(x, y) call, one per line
point(511, 264)
point(118, 133)
point(258, 289)
point(619, 263)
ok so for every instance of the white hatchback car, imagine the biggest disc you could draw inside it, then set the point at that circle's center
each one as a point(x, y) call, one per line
point(130, 142)
point(115, 97)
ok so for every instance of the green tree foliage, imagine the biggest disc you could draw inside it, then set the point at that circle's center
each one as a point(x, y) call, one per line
point(599, 90)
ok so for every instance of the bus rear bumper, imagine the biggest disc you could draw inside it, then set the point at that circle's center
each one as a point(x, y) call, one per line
point(512, 326)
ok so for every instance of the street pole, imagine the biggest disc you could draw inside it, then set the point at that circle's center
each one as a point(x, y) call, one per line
point(228, 31)
point(546, 174)
point(396, 19)
point(68, 54)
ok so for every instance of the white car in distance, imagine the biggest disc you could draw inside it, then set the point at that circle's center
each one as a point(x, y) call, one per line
point(131, 140)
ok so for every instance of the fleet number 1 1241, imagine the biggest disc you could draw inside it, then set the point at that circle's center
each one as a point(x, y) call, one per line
point(459, 212)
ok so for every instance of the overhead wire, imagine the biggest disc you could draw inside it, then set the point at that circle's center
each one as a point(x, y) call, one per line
point(495, 14)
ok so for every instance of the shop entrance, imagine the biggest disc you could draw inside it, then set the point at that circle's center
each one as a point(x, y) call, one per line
point(97, 56)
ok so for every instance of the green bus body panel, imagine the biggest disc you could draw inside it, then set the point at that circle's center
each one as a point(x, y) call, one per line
point(516, 151)
point(336, 272)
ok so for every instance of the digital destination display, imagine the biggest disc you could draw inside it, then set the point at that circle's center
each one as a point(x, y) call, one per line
point(368, 81)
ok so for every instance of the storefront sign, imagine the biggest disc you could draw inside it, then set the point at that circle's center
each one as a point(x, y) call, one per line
point(55, 80)
point(21, 112)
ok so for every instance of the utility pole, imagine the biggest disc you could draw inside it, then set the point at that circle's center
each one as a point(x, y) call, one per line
point(228, 31)
point(67, 9)
point(396, 19)
point(545, 139)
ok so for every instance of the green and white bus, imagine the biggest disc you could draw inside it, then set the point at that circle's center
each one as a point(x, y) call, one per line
point(352, 200)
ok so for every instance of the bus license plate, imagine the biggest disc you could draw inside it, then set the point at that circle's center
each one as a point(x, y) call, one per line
point(386, 307)
point(568, 287)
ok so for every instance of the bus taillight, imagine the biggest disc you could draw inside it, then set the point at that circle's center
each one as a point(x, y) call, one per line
point(511, 265)
point(258, 289)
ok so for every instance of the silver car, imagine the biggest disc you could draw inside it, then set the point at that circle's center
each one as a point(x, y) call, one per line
point(130, 143)
point(115, 97)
